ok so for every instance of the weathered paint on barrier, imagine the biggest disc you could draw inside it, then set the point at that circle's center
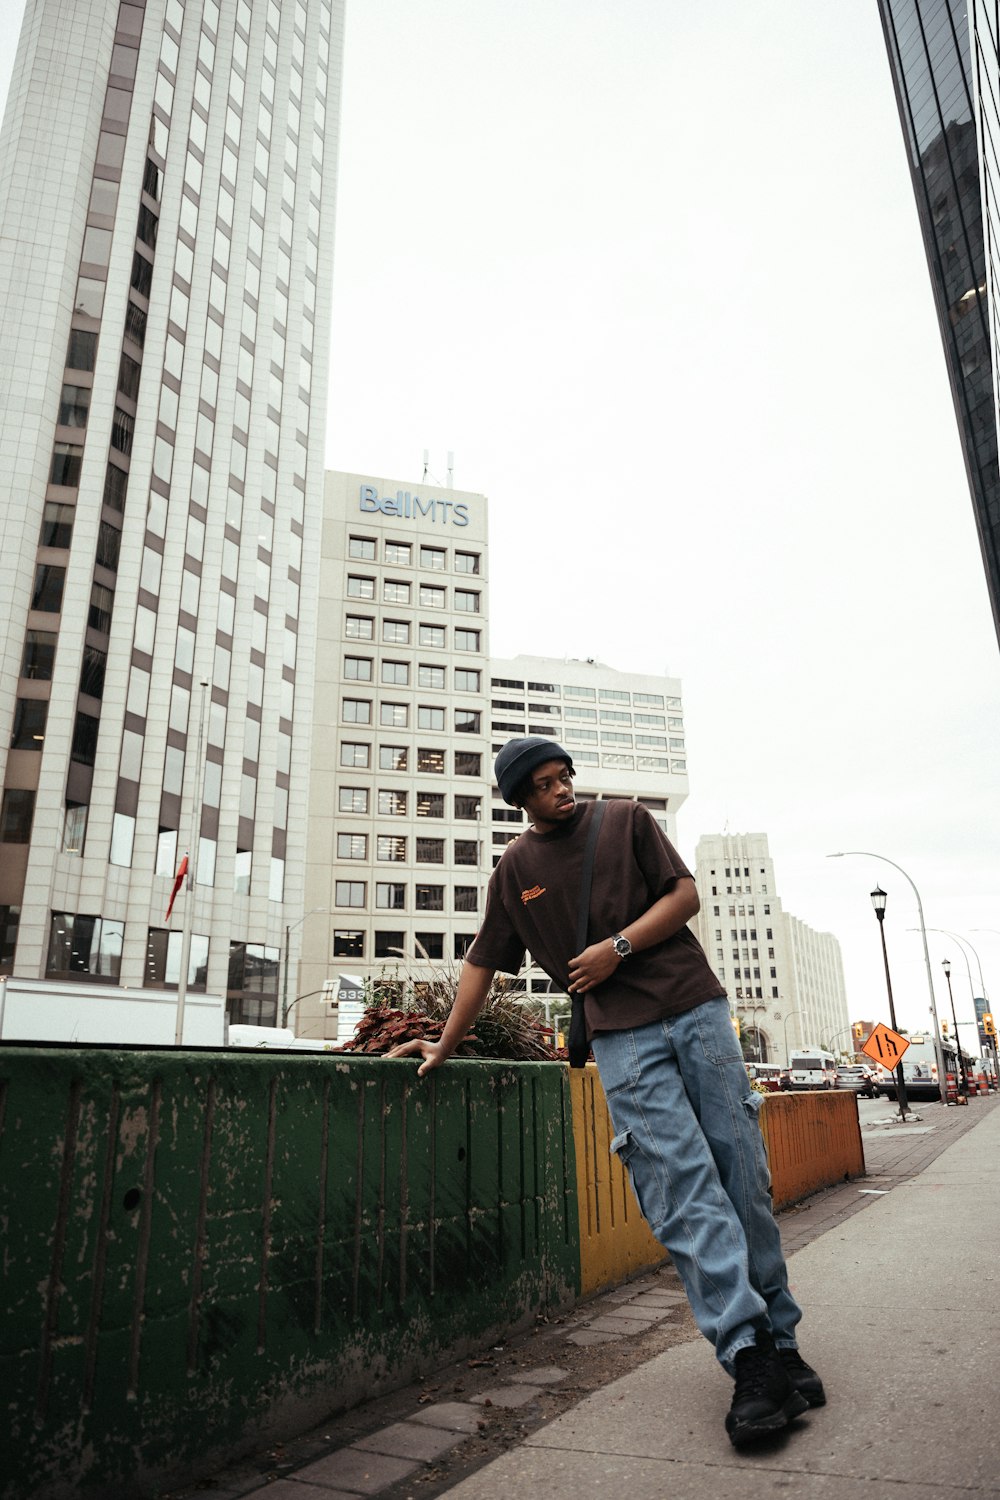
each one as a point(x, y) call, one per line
point(615, 1240)
point(205, 1250)
point(812, 1141)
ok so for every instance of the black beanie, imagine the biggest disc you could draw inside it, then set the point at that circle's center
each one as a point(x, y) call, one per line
point(518, 759)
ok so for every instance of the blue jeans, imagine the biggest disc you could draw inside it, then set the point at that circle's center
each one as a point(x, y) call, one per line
point(686, 1128)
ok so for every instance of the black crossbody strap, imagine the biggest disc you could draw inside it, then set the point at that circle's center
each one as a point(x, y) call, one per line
point(579, 1047)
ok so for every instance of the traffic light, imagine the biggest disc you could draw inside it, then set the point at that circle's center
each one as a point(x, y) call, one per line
point(988, 1025)
point(736, 1024)
point(857, 1031)
point(944, 1028)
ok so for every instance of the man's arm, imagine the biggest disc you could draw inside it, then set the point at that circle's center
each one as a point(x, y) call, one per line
point(470, 997)
point(665, 917)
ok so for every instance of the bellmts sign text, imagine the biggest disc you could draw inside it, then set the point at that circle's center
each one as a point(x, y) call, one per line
point(411, 506)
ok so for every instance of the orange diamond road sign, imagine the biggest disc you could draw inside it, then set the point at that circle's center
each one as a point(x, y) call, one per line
point(885, 1046)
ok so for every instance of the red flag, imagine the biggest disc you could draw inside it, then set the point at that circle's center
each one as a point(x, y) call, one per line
point(182, 870)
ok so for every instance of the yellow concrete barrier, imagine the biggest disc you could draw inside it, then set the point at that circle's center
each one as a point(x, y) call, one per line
point(812, 1142)
point(615, 1240)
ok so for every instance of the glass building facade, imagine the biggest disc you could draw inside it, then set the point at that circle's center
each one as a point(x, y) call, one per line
point(165, 281)
point(930, 54)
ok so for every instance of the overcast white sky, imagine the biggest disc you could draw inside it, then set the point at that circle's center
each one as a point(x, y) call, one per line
point(653, 271)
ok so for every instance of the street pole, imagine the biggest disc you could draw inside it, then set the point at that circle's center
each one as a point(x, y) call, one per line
point(964, 1084)
point(289, 929)
point(938, 1049)
point(187, 927)
point(790, 1017)
point(878, 901)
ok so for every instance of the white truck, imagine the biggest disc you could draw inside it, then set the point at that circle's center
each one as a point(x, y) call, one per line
point(43, 1010)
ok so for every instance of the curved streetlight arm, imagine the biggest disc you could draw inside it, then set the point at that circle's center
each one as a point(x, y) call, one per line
point(868, 854)
point(790, 1017)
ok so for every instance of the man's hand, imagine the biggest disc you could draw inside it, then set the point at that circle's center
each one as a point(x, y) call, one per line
point(433, 1054)
point(591, 967)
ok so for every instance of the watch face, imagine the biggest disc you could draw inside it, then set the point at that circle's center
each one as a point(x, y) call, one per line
point(623, 947)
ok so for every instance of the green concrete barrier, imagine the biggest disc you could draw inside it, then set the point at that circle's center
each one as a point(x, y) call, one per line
point(204, 1251)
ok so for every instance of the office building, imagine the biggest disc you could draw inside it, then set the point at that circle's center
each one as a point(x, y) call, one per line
point(167, 177)
point(398, 852)
point(785, 981)
point(930, 55)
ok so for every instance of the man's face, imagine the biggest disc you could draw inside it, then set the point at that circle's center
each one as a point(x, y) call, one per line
point(552, 801)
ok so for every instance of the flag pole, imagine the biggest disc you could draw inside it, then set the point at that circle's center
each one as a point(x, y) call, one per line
point(187, 926)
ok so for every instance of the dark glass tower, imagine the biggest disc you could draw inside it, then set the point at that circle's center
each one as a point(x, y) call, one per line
point(930, 51)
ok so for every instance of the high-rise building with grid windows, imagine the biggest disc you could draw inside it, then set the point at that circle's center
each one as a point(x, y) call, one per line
point(931, 57)
point(167, 177)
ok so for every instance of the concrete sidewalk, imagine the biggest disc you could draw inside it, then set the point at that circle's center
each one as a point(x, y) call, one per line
point(913, 1404)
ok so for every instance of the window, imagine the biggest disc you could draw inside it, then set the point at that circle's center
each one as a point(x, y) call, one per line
point(466, 898)
point(16, 812)
point(391, 846)
point(430, 804)
point(396, 632)
point(359, 628)
point(468, 808)
point(354, 755)
point(48, 588)
point(81, 353)
point(430, 677)
point(467, 721)
point(84, 749)
point(431, 761)
point(358, 668)
point(467, 600)
point(429, 898)
point(586, 693)
point(653, 700)
point(84, 945)
point(399, 553)
point(349, 893)
point(392, 804)
point(613, 695)
point(360, 588)
point(429, 718)
point(348, 944)
point(39, 655)
point(430, 851)
point(429, 944)
point(396, 673)
point(66, 462)
point(353, 799)
point(361, 546)
point(467, 763)
point(29, 724)
point(392, 757)
point(463, 942)
point(102, 602)
point(466, 640)
point(467, 681)
point(466, 562)
point(393, 715)
point(57, 524)
point(431, 635)
point(352, 846)
point(74, 406)
point(388, 944)
point(390, 895)
point(466, 852)
point(394, 591)
point(431, 597)
point(433, 557)
point(356, 711)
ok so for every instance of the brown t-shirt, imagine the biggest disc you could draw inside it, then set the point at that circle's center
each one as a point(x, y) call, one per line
point(533, 900)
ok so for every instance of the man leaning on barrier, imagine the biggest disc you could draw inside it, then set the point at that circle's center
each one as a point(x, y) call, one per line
point(648, 1003)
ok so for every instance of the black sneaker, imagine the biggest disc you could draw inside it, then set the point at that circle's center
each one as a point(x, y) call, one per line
point(764, 1399)
point(803, 1377)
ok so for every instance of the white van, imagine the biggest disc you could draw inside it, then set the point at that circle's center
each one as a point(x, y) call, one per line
point(812, 1068)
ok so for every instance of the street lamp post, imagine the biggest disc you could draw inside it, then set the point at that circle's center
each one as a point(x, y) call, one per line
point(289, 929)
point(964, 1084)
point(791, 1015)
point(938, 1049)
point(878, 902)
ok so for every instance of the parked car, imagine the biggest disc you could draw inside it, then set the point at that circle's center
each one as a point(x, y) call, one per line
point(859, 1078)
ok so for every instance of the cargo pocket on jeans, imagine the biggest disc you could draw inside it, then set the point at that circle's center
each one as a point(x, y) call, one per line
point(627, 1151)
point(752, 1104)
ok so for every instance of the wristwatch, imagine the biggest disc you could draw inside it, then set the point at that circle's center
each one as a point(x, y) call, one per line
point(622, 946)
